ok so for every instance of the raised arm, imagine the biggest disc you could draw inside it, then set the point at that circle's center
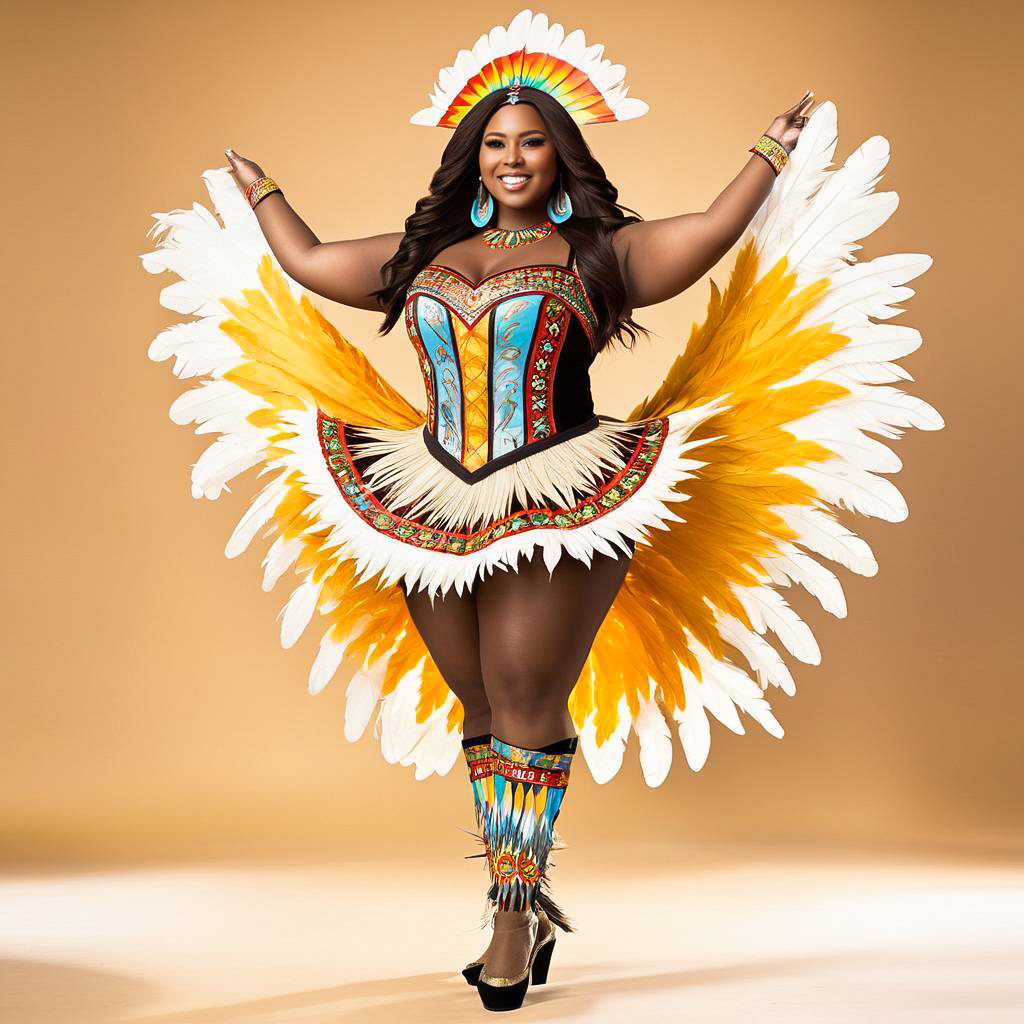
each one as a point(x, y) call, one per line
point(345, 272)
point(661, 258)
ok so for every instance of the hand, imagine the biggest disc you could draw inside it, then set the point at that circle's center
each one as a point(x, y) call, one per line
point(245, 172)
point(786, 128)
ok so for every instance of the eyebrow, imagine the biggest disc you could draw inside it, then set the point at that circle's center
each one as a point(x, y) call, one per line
point(529, 131)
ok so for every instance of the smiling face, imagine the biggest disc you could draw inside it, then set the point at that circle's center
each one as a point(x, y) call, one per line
point(518, 164)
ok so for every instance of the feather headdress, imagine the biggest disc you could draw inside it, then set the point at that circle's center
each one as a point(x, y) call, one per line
point(529, 52)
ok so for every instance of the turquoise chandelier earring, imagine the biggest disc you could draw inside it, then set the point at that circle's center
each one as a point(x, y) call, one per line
point(483, 206)
point(560, 205)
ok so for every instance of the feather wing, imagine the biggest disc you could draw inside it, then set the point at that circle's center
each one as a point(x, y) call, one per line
point(793, 341)
point(265, 357)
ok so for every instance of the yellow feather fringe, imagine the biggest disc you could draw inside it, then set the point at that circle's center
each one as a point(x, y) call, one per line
point(748, 343)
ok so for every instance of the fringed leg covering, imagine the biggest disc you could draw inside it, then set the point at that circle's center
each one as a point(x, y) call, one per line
point(524, 794)
point(479, 759)
point(545, 902)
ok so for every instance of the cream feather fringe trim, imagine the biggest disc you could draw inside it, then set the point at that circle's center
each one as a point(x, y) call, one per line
point(406, 473)
point(391, 560)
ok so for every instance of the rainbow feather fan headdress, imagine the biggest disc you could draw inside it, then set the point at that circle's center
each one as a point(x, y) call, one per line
point(529, 52)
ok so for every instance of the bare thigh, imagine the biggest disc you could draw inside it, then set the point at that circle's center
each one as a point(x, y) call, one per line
point(536, 631)
point(450, 631)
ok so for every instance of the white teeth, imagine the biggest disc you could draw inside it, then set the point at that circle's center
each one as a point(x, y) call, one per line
point(513, 179)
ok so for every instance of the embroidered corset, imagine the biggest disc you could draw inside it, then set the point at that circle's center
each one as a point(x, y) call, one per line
point(505, 363)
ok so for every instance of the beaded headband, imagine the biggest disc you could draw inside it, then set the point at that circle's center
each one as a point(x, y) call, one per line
point(529, 52)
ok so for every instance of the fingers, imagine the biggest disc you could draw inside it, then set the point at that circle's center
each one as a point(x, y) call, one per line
point(237, 161)
point(796, 108)
point(233, 165)
point(243, 170)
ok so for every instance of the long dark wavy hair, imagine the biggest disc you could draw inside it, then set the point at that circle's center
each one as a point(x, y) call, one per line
point(442, 217)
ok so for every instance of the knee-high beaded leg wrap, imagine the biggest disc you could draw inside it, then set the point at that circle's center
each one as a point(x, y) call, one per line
point(479, 761)
point(524, 795)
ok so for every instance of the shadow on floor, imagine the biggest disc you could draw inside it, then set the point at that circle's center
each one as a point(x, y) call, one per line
point(36, 992)
point(447, 999)
point(44, 992)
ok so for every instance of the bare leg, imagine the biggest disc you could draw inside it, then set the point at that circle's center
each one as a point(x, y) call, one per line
point(451, 634)
point(535, 636)
point(536, 631)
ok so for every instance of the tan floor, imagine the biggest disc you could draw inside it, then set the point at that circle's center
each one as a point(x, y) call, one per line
point(838, 941)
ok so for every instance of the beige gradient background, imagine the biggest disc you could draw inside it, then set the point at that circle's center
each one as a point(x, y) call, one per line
point(149, 712)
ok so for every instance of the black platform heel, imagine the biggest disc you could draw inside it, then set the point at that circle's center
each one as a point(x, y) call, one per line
point(471, 972)
point(541, 966)
point(498, 993)
point(542, 961)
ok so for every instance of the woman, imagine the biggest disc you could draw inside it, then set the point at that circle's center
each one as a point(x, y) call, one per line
point(515, 271)
point(513, 648)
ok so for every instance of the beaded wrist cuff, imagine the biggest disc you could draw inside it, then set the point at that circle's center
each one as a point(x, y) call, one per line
point(772, 151)
point(260, 189)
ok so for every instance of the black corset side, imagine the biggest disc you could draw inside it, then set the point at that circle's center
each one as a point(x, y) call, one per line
point(572, 402)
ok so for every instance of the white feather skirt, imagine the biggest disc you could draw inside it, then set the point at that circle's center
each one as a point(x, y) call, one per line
point(399, 511)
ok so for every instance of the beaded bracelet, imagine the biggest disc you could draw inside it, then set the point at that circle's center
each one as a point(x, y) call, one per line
point(772, 151)
point(260, 189)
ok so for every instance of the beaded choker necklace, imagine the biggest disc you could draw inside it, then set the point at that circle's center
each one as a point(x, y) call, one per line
point(509, 238)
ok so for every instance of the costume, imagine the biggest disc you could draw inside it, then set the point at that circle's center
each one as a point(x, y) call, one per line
point(727, 478)
point(723, 485)
point(511, 455)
